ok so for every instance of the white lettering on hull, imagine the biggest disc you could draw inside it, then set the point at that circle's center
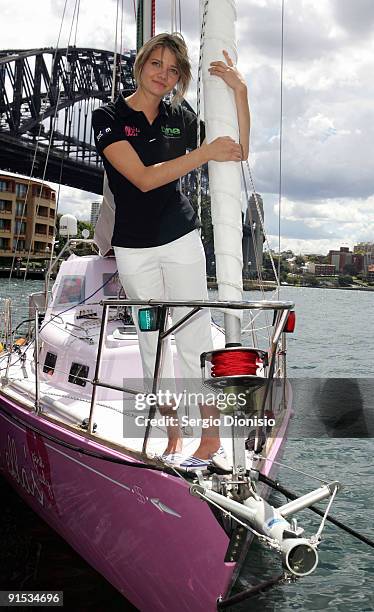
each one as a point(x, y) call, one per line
point(23, 476)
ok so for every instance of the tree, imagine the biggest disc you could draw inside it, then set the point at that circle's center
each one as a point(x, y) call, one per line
point(349, 269)
point(310, 280)
point(207, 235)
point(293, 279)
point(85, 225)
point(61, 240)
point(345, 280)
point(268, 272)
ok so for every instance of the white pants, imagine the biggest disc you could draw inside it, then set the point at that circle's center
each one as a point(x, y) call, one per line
point(174, 271)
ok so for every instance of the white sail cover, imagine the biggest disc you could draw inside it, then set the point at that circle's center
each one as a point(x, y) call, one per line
point(105, 223)
point(224, 177)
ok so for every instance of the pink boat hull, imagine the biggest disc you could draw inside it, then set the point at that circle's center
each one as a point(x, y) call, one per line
point(162, 548)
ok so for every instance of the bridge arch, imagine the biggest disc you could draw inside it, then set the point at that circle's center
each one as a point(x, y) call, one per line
point(37, 85)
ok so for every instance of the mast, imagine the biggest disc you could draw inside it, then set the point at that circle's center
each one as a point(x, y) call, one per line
point(145, 21)
point(218, 19)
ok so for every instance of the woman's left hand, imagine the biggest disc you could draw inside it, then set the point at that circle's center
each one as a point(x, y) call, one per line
point(228, 73)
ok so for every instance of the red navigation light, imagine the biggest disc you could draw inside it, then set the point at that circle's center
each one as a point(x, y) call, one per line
point(289, 328)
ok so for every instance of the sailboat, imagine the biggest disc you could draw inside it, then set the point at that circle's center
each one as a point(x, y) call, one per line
point(166, 538)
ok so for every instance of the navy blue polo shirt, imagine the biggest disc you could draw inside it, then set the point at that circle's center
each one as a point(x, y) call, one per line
point(160, 215)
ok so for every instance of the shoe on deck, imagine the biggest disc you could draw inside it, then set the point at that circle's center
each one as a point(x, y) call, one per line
point(194, 463)
point(172, 458)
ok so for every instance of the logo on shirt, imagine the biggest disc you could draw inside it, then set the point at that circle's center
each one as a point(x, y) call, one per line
point(131, 131)
point(103, 132)
point(170, 132)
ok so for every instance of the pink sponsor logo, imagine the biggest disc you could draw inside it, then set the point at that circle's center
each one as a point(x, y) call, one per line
point(131, 131)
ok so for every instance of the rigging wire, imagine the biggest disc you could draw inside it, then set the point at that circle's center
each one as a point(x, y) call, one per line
point(76, 24)
point(172, 11)
point(121, 48)
point(175, 16)
point(280, 146)
point(114, 74)
point(180, 15)
point(260, 216)
point(198, 102)
point(257, 257)
point(36, 148)
point(51, 139)
point(48, 274)
point(293, 469)
point(276, 272)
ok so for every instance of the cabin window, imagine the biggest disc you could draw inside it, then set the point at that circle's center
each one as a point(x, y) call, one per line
point(49, 363)
point(78, 373)
point(70, 291)
point(112, 285)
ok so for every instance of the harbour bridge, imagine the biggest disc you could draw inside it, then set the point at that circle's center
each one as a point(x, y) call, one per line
point(46, 100)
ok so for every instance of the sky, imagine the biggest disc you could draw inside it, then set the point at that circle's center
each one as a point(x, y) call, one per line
point(328, 112)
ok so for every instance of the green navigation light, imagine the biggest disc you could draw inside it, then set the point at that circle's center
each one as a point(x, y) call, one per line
point(149, 319)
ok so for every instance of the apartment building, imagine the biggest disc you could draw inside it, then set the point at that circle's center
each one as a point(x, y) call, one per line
point(340, 258)
point(364, 248)
point(27, 217)
point(319, 269)
point(370, 273)
point(95, 210)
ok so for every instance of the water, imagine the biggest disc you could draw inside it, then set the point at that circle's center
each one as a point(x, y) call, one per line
point(330, 355)
point(331, 350)
point(334, 333)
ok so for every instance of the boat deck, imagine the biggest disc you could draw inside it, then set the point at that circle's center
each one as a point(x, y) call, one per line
point(118, 422)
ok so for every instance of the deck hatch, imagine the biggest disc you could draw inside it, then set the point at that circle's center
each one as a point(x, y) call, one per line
point(49, 363)
point(78, 372)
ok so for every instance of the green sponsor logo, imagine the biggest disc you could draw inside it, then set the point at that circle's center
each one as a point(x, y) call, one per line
point(170, 132)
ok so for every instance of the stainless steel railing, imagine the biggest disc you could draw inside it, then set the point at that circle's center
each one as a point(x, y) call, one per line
point(196, 305)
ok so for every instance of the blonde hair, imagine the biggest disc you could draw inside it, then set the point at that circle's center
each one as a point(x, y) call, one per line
point(176, 44)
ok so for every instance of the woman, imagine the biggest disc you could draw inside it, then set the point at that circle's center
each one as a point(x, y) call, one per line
point(159, 254)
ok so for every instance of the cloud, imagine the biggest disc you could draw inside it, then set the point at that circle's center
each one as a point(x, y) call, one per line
point(76, 202)
point(96, 27)
point(337, 222)
point(299, 246)
point(328, 113)
point(355, 16)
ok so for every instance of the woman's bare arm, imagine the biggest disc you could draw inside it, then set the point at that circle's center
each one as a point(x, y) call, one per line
point(232, 77)
point(127, 162)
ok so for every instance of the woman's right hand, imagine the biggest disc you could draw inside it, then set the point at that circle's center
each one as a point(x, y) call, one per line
point(224, 149)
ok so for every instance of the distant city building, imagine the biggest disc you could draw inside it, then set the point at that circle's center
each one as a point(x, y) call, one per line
point(368, 261)
point(95, 209)
point(291, 263)
point(27, 217)
point(364, 248)
point(358, 261)
point(341, 258)
point(364, 254)
point(319, 269)
point(370, 273)
point(253, 237)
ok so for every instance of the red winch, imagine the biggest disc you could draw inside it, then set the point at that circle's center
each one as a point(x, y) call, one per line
point(236, 362)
